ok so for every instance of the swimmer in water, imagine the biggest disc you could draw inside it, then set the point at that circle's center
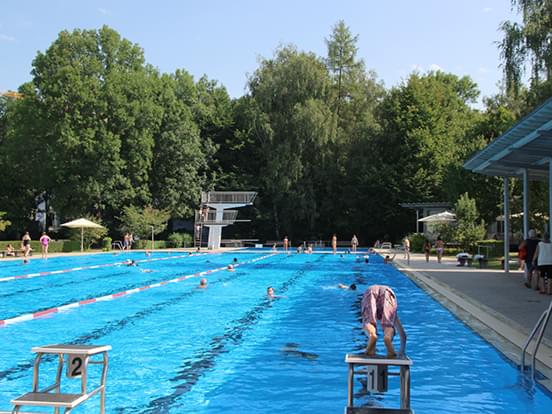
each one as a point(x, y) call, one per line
point(202, 283)
point(230, 268)
point(292, 349)
point(352, 286)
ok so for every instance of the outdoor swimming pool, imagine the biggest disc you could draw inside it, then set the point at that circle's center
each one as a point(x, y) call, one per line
point(226, 349)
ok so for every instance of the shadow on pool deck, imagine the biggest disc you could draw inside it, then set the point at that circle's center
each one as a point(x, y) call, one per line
point(487, 298)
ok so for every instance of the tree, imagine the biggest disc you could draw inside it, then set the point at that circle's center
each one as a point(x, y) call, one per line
point(179, 163)
point(467, 230)
point(527, 44)
point(3, 223)
point(426, 126)
point(287, 93)
point(94, 105)
point(143, 221)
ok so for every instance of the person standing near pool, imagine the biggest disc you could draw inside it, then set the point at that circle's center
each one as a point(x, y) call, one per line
point(334, 243)
point(406, 247)
point(542, 258)
point(354, 243)
point(44, 242)
point(26, 244)
point(427, 249)
point(379, 303)
point(286, 244)
point(439, 248)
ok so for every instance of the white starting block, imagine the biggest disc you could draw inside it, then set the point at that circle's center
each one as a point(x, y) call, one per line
point(78, 359)
point(375, 368)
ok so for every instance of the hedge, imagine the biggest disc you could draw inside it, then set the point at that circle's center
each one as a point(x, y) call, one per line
point(55, 246)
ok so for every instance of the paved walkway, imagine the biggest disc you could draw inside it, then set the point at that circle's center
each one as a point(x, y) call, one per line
point(496, 299)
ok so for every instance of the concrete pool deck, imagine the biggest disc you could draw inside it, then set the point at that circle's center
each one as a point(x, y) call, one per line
point(495, 304)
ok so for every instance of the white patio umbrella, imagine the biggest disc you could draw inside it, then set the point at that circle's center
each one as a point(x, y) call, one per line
point(443, 217)
point(82, 223)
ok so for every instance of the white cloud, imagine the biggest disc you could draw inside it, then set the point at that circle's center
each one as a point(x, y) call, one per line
point(105, 12)
point(435, 67)
point(6, 38)
point(487, 10)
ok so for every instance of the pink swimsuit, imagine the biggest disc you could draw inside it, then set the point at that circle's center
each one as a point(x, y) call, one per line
point(44, 240)
point(379, 303)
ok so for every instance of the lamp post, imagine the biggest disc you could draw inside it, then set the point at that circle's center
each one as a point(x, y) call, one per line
point(152, 241)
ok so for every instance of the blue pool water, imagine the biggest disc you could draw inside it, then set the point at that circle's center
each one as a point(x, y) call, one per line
point(179, 349)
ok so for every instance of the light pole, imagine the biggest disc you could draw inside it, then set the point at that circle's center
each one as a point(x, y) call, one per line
point(152, 241)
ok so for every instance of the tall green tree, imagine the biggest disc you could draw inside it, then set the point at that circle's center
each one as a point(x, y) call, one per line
point(469, 228)
point(95, 105)
point(179, 161)
point(527, 44)
point(287, 93)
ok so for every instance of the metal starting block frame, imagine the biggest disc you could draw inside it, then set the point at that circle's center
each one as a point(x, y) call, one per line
point(78, 359)
point(375, 367)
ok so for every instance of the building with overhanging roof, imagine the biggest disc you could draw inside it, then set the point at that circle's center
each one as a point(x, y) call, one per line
point(524, 152)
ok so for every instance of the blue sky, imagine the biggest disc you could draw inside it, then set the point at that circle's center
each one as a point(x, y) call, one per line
point(224, 39)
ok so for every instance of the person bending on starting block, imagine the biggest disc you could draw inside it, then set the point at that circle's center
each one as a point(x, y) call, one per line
point(379, 303)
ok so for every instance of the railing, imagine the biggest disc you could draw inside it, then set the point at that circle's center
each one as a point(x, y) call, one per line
point(229, 197)
point(117, 245)
point(210, 216)
point(542, 323)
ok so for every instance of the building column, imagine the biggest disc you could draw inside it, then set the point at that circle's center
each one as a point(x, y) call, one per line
point(506, 215)
point(525, 203)
point(549, 196)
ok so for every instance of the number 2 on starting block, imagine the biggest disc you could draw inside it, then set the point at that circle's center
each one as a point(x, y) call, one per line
point(75, 366)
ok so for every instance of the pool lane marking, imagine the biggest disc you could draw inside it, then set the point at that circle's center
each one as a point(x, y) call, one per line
point(58, 309)
point(116, 325)
point(76, 269)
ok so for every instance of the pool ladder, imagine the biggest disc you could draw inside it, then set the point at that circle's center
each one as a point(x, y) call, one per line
point(542, 323)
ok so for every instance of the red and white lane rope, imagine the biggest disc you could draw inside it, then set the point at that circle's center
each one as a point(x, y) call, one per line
point(58, 309)
point(76, 269)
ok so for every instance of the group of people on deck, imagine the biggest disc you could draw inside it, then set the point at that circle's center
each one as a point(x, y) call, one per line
point(26, 248)
point(535, 255)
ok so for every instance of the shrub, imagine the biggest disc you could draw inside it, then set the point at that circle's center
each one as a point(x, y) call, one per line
point(146, 244)
point(106, 243)
point(175, 240)
point(187, 240)
point(416, 242)
point(492, 248)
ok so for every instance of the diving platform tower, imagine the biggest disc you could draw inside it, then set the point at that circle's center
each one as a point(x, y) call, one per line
point(215, 213)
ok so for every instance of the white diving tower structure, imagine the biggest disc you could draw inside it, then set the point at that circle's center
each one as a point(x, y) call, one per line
point(216, 213)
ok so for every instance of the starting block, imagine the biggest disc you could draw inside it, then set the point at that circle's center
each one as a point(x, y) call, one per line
point(78, 359)
point(375, 368)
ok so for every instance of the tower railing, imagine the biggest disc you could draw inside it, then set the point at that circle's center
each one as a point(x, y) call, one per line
point(228, 197)
point(210, 217)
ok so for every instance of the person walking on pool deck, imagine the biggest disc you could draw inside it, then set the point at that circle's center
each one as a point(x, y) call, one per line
point(406, 247)
point(427, 249)
point(543, 259)
point(530, 245)
point(334, 243)
point(44, 242)
point(379, 303)
point(354, 243)
point(26, 244)
point(439, 248)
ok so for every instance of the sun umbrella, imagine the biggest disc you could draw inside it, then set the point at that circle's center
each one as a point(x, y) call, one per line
point(82, 223)
point(443, 217)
